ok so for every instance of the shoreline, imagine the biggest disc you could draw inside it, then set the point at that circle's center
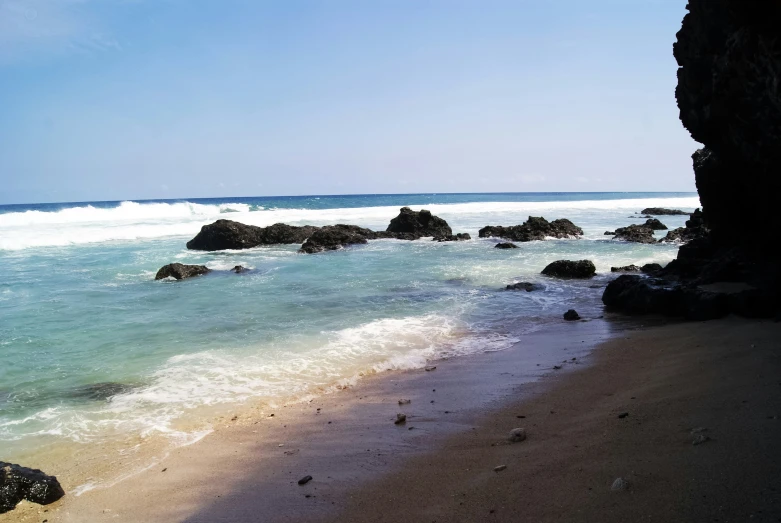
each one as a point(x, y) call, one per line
point(373, 401)
point(365, 468)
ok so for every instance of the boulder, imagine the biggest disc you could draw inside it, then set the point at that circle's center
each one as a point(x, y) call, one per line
point(505, 245)
point(239, 269)
point(695, 228)
point(535, 228)
point(651, 268)
point(18, 483)
point(419, 223)
point(659, 211)
point(181, 271)
point(625, 268)
point(636, 234)
point(570, 269)
point(524, 286)
point(610, 233)
point(227, 234)
point(571, 315)
point(333, 237)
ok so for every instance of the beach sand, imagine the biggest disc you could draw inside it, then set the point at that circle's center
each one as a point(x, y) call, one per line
point(721, 376)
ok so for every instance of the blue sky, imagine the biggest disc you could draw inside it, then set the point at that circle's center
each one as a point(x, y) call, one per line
point(129, 99)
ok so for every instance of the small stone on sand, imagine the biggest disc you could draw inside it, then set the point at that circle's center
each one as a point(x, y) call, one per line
point(699, 439)
point(517, 435)
point(623, 415)
point(400, 419)
point(500, 468)
point(619, 484)
point(305, 480)
point(405, 402)
point(429, 369)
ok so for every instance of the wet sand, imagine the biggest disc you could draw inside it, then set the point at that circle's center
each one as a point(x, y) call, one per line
point(722, 376)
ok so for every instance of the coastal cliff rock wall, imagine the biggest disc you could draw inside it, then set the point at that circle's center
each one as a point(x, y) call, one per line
point(729, 95)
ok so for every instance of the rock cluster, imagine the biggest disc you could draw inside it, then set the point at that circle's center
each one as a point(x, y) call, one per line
point(535, 228)
point(659, 211)
point(227, 234)
point(18, 483)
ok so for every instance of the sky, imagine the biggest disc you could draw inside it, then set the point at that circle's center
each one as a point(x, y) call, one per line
point(134, 99)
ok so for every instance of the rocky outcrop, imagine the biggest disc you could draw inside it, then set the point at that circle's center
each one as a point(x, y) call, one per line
point(659, 211)
point(729, 98)
point(18, 483)
point(227, 234)
point(333, 237)
point(460, 237)
point(505, 245)
point(535, 228)
point(419, 223)
point(181, 271)
point(728, 94)
point(570, 269)
point(635, 233)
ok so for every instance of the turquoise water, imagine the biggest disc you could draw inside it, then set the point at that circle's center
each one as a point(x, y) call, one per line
point(79, 305)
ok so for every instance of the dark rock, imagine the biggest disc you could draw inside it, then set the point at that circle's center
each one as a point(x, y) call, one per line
point(535, 228)
point(655, 225)
point(505, 245)
point(626, 268)
point(400, 419)
point(524, 286)
point(729, 55)
point(305, 480)
point(238, 269)
point(180, 271)
point(695, 228)
point(610, 233)
point(419, 223)
point(635, 233)
point(571, 315)
point(623, 415)
point(18, 483)
point(651, 268)
point(333, 237)
point(460, 237)
point(659, 211)
point(570, 269)
point(227, 234)
point(98, 391)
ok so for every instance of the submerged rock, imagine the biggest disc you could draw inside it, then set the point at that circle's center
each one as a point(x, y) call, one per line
point(460, 237)
point(660, 211)
point(181, 271)
point(419, 223)
point(570, 269)
point(524, 286)
point(227, 234)
point(535, 228)
point(98, 391)
point(505, 245)
point(239, 269)
point(18, 483)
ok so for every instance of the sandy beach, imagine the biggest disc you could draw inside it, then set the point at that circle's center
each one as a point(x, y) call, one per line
point(720, 379)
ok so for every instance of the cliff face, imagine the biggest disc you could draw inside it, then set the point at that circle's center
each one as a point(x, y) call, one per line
point(729, 95)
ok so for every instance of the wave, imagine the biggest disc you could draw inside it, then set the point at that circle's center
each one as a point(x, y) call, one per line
point(138, 221)
point(301, 369)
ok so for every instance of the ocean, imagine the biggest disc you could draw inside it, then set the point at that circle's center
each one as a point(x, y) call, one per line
point(96, 354)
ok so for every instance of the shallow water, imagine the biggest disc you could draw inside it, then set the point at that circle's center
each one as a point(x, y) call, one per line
point(80, 307)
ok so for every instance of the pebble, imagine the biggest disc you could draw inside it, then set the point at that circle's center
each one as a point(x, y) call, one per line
point(305, 480)
point(429, 369)
point(619, 484)
point(400, 419)
point(623, 415)
point(556, 367)
point(517, 435)
point(500, 468)
point(405, 402)
point(699, 439)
